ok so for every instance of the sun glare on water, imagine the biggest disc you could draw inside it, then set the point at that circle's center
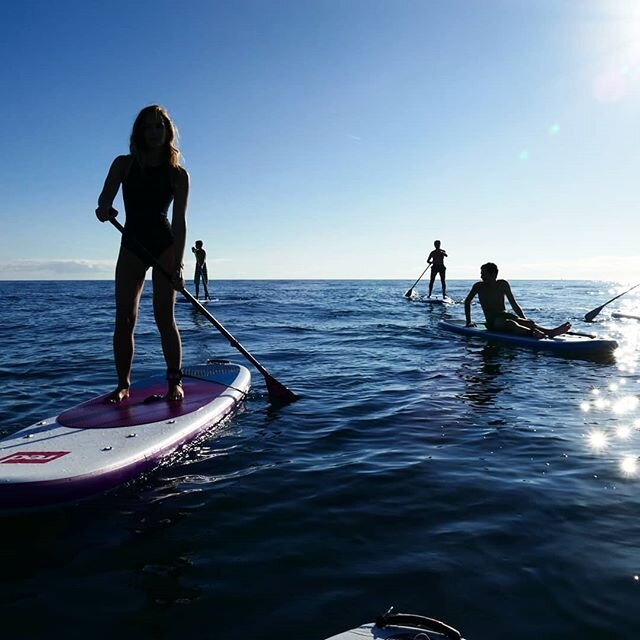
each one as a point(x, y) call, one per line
point(614, 429)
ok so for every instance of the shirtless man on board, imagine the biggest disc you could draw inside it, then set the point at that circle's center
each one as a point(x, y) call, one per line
point(491, 292)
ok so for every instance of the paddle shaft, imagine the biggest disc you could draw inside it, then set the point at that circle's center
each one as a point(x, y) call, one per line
point(579, 333)
point(277, 391)
point(594, 312)
point(410, 291)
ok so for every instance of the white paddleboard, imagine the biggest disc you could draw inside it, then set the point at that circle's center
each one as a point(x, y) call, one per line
point(96, 446)
point(445, 300)
point(627, 316)
point(182, 300)
point(401, 626)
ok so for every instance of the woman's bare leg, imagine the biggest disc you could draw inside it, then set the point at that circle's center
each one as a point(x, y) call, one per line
point(164, 297)
point(130, 272)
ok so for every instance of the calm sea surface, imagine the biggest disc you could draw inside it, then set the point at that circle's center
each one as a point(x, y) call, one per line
point(491, 487)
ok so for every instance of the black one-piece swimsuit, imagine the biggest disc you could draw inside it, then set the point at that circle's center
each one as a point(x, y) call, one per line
point(147, 193)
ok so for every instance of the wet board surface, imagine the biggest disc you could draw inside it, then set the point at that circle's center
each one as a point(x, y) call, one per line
point(567, 343)
point(96, 446)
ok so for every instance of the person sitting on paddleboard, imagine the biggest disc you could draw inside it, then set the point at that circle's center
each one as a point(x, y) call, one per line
point(491, 292)
point(151, 178)
point(436, 259)
point(201, 269)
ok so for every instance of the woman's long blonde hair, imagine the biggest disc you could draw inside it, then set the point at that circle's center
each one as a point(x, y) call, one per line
point(137, 145)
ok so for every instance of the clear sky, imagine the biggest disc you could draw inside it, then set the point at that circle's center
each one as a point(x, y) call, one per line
point(332, 138)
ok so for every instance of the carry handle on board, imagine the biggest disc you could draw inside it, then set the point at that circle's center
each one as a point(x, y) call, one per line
point(420, 622)
point(278, 393)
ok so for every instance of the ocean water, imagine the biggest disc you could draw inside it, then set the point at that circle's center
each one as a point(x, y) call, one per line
point(494, 488)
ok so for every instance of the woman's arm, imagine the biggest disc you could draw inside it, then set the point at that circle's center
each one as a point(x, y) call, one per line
point(179, 214)
point(112, 183)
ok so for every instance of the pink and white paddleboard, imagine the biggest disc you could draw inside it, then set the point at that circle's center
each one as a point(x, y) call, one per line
point(97, 446)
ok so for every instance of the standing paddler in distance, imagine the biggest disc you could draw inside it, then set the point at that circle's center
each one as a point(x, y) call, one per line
point(436, 260)
point(201, 269)
point(152, 178)
point(492, 292)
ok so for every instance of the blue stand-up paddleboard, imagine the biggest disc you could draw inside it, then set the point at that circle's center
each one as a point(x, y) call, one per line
point(569, 344)
point(97, 446)
point(401, 626)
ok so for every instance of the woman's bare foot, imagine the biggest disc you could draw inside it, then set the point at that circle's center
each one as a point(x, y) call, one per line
point(118, 395)
point(175, 392)
point(558, 331)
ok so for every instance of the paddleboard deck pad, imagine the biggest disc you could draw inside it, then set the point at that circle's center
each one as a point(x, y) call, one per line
point(96, 446)
point(566, 343)
point(401, 626)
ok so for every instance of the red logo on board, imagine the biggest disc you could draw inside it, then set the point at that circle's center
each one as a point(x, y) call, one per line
point(32, 457)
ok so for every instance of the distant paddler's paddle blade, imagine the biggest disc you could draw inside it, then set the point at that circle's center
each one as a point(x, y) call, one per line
point(409, 293)
point(278, 393)
point(594, 312)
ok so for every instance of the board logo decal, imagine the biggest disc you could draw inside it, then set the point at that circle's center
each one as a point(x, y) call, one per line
point(33, 457)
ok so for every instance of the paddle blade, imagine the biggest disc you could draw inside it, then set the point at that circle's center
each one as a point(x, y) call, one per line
point(592, 314)
point(409, 293)
point(278, 393)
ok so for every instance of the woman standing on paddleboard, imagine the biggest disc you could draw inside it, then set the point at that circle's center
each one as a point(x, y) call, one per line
point(151, 178)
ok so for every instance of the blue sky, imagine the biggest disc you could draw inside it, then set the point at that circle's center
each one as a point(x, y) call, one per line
point(332, 138)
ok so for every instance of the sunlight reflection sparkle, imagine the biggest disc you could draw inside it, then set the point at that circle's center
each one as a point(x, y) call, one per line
point(610, 411)
point(629, 465)
point(624, 432)
point(598, 440)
